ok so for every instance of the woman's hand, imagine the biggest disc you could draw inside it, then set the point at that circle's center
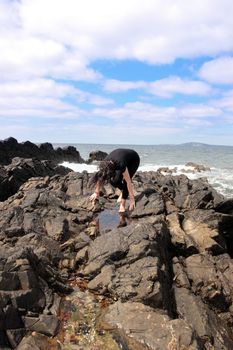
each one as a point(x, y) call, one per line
point(96, 194)
point(131, 203)
point(94, 197)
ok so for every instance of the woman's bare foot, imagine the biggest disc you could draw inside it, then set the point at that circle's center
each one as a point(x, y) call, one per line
point(122, 222)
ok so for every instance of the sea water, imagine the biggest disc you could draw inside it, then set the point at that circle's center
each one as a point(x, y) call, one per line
point(218, 158)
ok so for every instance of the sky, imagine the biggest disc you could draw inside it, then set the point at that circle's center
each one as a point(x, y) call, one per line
point(116, 72)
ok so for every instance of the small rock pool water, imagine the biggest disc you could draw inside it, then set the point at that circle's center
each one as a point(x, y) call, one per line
point(110, 219)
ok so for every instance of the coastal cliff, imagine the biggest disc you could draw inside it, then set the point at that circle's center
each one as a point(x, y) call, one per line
point(164, 280)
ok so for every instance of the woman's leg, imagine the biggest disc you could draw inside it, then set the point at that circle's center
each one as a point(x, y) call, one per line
point(119, 198)
point(122, 206)
point(125, 194)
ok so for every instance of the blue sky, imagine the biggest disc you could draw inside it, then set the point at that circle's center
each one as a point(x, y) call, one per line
point(118, 72)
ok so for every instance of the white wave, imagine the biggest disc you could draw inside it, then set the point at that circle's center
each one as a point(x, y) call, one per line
point(149, 167)
point(175, 169)
point(79, 168)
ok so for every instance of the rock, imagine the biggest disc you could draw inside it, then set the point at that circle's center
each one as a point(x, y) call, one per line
point(45, 324)
point(9, 281)
point(4, 343)
point(28, 279)
point(20, 170)
point(10, 148)
point(29, 300)
point(213, 333)
point(40, 227)
point(68, 154)
point(31, 342)
point(12, 320)
point(97, 156)
point(46, 147)
point(180, 239)
point(209, 277)
point(153, 330)
point(181, 191)
point(226, 206)
point(203, 228)
point(167, 170)
point(207, 281)
point(149, 204)
point(197, 167)
point(129, 263)
point(15, 336)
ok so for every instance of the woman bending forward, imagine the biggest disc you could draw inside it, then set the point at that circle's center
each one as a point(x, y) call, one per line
point(118, 169)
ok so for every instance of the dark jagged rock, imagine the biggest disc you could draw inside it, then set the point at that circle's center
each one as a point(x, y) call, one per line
point(10, 148)
point(96, 156)
point(35, 223)
point(226, 206)
point(45, 324)
point(167, 274)
point(127, 263)
point(212, 332)
point(20, 170)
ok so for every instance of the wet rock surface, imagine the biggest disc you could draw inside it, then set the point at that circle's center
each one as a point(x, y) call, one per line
point(70, 278)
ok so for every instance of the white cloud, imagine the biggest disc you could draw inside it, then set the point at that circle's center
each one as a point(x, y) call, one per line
point(126, 124)
point(199, 111)
point(29, 57)
point(46, 88)
point(198, 123)
point(113, 85)
point(35, 87)
point(45, 98)
point(73, 67)
point(225, 103)
point(36, 107)
point(138, 112)
point(9, 16)
point(153, 31)
point(218, 71)
point(163, 87)
point(120, 133)
point(175, 85)
point(61, 38)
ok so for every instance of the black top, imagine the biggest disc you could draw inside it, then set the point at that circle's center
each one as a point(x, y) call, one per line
point(124, 158)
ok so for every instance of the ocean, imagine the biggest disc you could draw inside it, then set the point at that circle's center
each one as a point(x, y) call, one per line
point(218, 158)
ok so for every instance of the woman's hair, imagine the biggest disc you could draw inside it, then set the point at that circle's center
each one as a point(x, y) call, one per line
point(105, 174)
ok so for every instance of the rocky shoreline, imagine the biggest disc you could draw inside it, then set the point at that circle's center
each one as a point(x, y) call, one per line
point(165, 279)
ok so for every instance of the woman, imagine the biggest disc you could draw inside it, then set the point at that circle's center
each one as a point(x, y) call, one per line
point(118, 168)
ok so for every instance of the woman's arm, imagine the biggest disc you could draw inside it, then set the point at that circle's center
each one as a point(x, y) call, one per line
point(127, 178)
point(96, 194)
